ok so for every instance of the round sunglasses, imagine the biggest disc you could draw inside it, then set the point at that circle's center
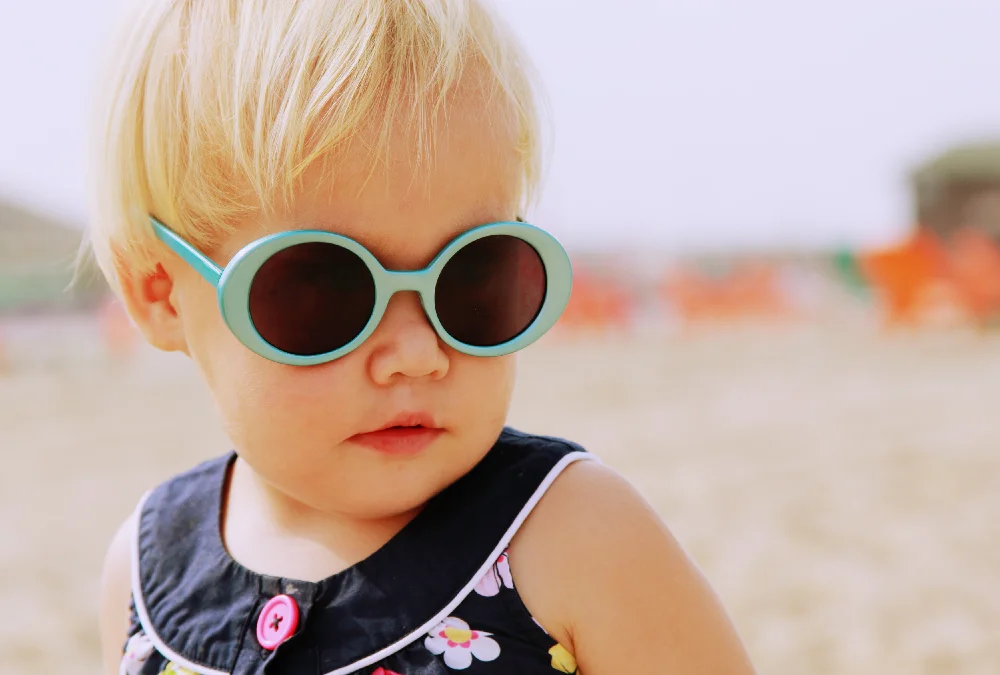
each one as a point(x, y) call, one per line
point(305, 297)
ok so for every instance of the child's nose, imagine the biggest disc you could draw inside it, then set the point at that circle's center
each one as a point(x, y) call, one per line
point(405, 344)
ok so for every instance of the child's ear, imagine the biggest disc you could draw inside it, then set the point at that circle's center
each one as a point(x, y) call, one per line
point(149, 299)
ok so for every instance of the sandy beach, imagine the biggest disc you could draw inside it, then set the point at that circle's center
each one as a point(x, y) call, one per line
point(839, 487)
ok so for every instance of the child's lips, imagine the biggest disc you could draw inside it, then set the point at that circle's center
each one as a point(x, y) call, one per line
point(398, 440)
point(406, 434)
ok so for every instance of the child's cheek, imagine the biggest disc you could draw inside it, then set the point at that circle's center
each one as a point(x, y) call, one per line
point(479, 391)
point(272, 400)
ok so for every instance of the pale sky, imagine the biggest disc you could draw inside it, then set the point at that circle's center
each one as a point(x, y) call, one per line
point(678, 123)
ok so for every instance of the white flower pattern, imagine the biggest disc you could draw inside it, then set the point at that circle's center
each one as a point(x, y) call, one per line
point(497, 576)
point(137, 652)
point(460, 644)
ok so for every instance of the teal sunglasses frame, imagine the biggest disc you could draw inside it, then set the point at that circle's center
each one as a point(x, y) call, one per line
point(233, 283)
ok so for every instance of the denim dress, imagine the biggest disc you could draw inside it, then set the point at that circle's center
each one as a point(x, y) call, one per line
point(437, 598)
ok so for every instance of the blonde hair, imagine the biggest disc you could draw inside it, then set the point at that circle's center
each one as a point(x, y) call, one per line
point(216, 108)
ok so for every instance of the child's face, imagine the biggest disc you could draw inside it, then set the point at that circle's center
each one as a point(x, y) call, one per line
point(291, 424)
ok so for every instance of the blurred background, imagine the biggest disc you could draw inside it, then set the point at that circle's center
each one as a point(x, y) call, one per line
point(785, 220)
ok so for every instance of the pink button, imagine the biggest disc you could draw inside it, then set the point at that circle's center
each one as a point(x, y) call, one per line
point(277, 621)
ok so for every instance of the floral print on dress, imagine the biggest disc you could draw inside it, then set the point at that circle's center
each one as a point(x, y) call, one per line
point(562, 660)
point(460, 644)
point(383, 671)
point(497, 576)
point(137, 651)
point(173, 669)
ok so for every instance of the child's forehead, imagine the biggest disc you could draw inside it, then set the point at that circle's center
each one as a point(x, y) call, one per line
point(402, 207)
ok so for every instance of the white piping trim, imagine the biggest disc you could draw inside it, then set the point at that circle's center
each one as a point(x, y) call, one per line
point(161, 646)
point(504, 543)
point(140, 607)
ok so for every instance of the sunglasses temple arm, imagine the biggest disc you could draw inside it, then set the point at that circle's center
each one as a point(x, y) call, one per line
point(192, 256)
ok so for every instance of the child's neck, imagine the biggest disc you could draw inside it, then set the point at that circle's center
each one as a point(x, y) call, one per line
point(270, 533)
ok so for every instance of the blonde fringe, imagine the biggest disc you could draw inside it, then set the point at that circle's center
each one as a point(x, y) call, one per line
point(216, 108)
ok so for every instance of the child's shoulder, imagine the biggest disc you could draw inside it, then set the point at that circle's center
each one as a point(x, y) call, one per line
point(599, 568)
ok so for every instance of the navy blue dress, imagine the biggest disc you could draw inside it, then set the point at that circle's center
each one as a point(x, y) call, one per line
point(437, 598)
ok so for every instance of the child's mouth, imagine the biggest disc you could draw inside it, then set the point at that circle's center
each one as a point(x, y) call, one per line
point(406, 434)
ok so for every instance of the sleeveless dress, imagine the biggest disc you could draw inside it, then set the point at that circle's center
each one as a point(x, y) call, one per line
point(437, 598)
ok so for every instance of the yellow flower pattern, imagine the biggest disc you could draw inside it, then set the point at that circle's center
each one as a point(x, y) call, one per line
point(173, 669)
point(562, 660)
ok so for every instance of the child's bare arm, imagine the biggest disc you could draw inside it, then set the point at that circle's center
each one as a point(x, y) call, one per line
point(116, 593)
point(600, 570)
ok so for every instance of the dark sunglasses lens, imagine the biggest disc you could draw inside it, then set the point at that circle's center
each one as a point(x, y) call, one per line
point(490, 291)
point(311, 298)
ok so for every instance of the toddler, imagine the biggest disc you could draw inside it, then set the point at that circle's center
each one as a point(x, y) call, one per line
point(319, 202)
